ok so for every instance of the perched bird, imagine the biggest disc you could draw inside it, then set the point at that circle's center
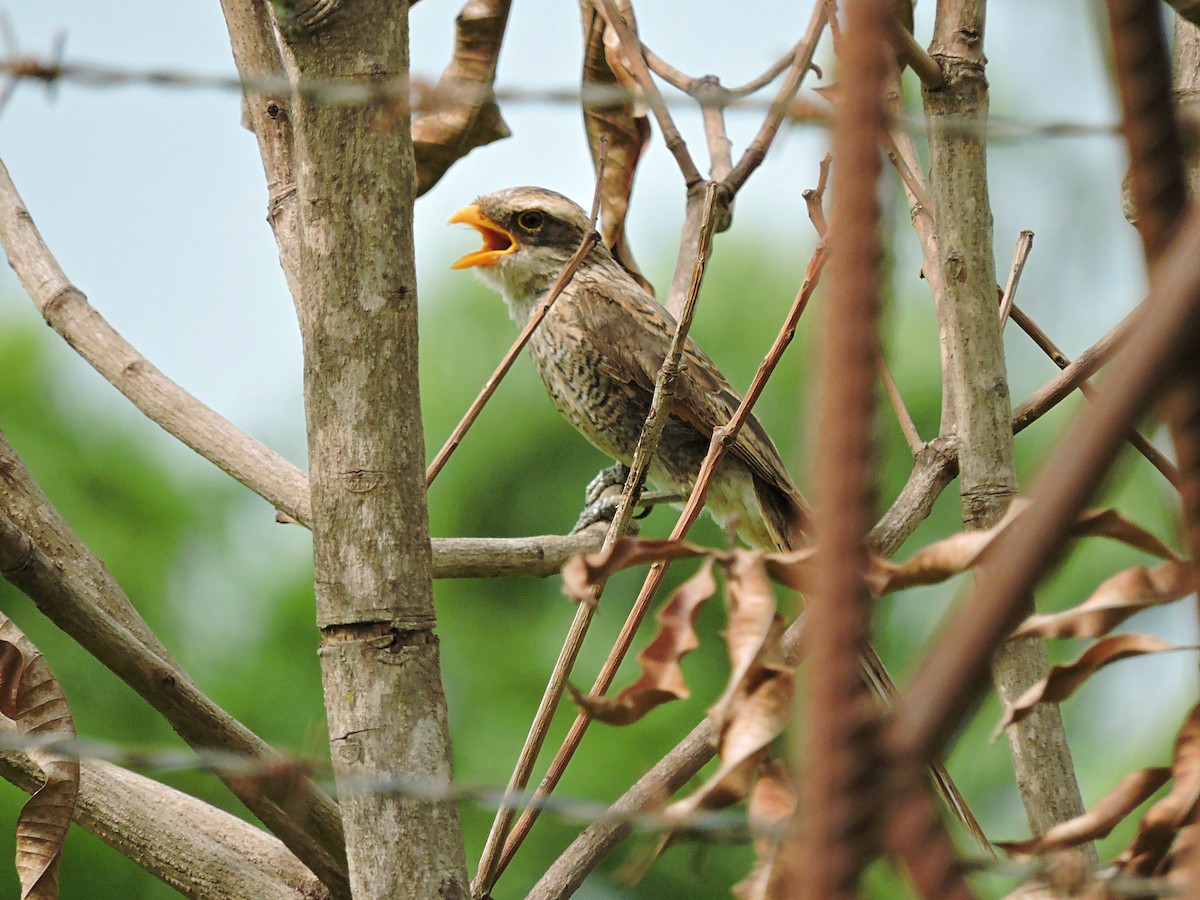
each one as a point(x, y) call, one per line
point(599, 350)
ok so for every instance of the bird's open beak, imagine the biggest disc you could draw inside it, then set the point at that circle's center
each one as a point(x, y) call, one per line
point(496, 241)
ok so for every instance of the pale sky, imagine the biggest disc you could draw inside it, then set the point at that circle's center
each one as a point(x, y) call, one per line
point(153, 199)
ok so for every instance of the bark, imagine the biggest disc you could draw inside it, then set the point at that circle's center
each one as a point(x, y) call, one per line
point(356, 303)
point(979, 385)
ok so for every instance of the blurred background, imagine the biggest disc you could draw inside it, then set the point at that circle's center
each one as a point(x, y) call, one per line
point(154, 202)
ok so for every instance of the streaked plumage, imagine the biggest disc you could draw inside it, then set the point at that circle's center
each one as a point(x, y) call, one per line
point(599, 351)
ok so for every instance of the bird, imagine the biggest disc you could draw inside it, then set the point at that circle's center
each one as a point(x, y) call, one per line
point(599, 350)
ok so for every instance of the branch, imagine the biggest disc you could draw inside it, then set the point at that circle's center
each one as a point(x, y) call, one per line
point(756, 150)
point(67, 311)
point(380, 659)
point(195, 848)
point(75, 591)
point(1042, 762)
point(631, 48)
point(511, 557)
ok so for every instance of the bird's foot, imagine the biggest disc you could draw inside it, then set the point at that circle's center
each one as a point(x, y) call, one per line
point(613, 476)
point(602, 496)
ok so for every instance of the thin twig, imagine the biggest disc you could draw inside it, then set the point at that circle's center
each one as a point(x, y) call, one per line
point(896, 399)
point(814, 198)
point(756, 150)
point(1085, 365)
point(1020, 255)
point(914, 55)
point(1142, 443)
point(721, 439)
point(631, 47)
point(501, 844)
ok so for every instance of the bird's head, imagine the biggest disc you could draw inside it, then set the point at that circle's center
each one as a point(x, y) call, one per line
point(529, 234)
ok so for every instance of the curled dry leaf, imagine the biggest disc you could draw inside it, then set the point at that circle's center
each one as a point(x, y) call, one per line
point(623, 127)
point(753, 724)
point(1062, 681)
point(1165, 818)
point(757, 705)
point(772, 805)
point(582, 573)
point(1130, 792)
point(465, 114)
point(957, 553)
point(1115, 600)
point(1111, 524)
point(951, 556)
point(754, 631)
point(661, 679)
point(34, 700)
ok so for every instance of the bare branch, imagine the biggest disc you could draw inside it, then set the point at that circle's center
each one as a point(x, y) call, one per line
point(1042, 761)
point(380, 658)
point(74, 590)
point(631, 48)
point(197, 849)
point(1137, 439)
point(67, 311)
point(1020, 255)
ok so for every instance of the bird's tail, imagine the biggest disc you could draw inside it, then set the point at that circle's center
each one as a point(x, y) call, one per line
point(785, 514)
point(788, 520)
point(876, 675)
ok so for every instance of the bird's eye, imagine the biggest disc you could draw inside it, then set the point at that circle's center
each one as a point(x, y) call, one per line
point(531, 221)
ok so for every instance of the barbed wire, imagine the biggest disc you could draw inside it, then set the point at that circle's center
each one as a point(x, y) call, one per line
point(699, 826)
point(712, 826)
point(421, 95)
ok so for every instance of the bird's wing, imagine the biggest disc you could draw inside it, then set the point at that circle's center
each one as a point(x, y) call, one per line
point(633, 339)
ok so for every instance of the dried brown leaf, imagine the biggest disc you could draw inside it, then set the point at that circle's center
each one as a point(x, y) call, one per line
point(581, 573)
point(1111, 524)
point(662, 679)
point(1062, 681)
point(1115, 600)
point(623, 127)
point(39, 709)
point(951, 556)
point(1130, 792)
point(466, 115)
point(753, 724)
point(772, 804)
point(1165, 818)
point(754, 630)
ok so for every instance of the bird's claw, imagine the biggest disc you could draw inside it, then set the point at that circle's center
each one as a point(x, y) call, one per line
point(602, 509)
point(602, 496)
point(613, 476)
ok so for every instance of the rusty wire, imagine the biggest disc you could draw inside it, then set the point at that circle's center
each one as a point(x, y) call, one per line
point(841, 785)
